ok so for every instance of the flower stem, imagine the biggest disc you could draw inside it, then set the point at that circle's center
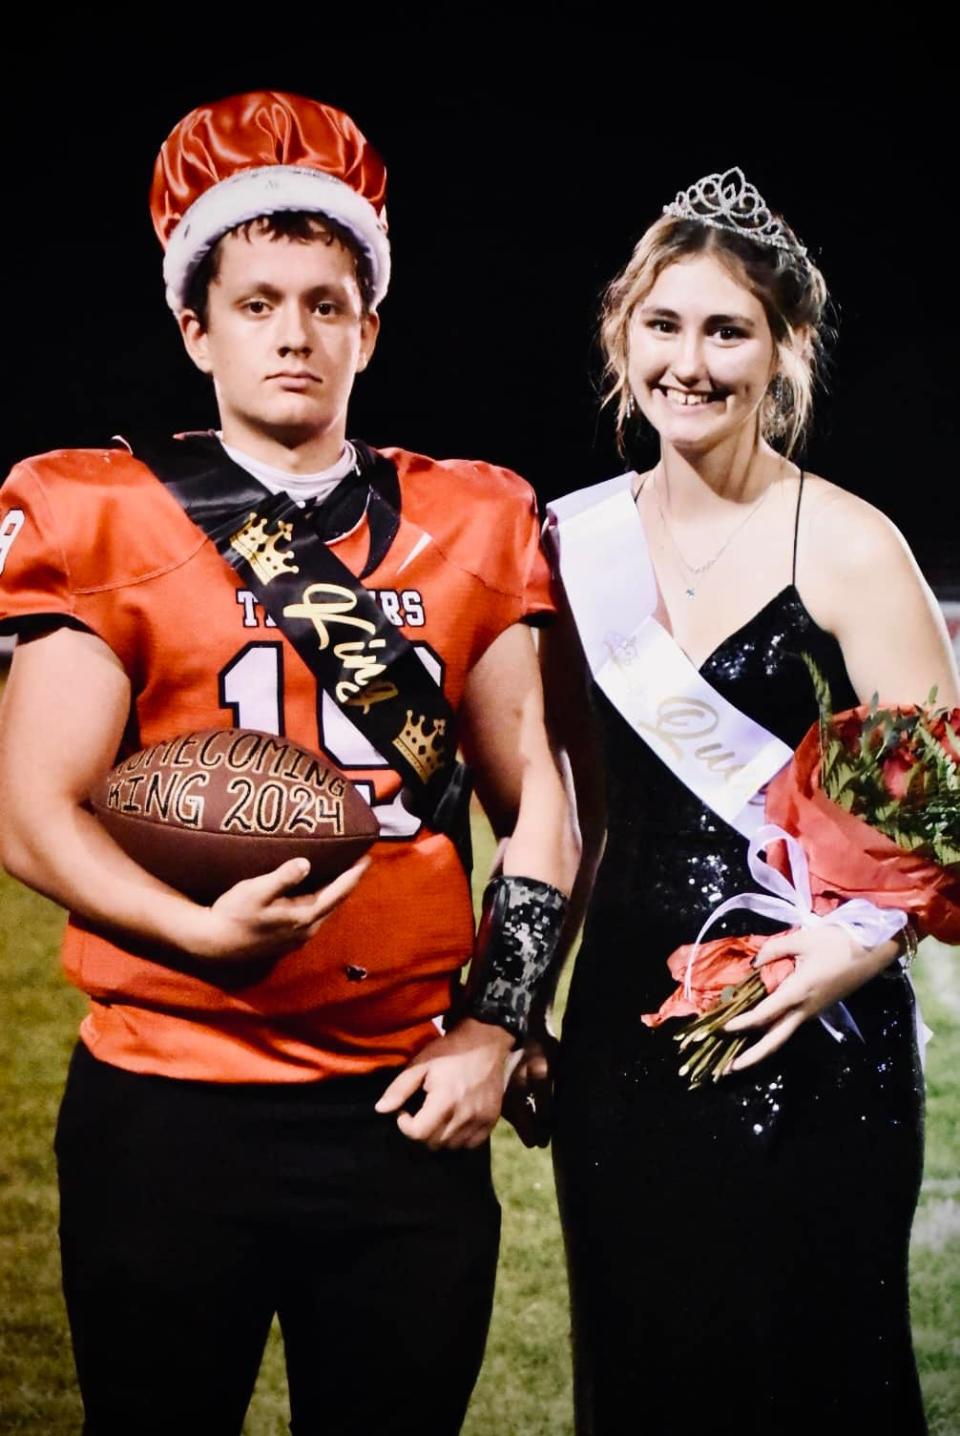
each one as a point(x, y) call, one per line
point(714, 1051)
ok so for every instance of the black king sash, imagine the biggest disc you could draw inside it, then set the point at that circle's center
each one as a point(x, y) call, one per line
point(361, 659)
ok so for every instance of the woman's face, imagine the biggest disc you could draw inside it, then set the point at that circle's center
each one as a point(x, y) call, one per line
point(700, 356)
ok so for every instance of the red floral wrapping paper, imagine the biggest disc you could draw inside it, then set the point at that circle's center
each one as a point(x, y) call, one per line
point(847, 859)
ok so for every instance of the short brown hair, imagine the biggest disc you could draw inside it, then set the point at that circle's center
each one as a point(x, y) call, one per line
point(791, 289)
point(286, 224)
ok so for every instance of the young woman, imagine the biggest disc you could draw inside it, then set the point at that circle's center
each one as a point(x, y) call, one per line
point(737, 1254)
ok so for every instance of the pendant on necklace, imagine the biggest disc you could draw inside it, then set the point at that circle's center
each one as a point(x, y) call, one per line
point(691, 593)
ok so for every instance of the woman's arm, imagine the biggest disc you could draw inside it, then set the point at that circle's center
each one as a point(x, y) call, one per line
point(860, 581)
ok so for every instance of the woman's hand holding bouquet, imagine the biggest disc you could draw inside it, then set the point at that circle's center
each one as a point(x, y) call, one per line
point(873, 795)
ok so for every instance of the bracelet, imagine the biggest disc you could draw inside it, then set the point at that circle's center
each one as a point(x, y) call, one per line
point(911, 942)
point(519, 932)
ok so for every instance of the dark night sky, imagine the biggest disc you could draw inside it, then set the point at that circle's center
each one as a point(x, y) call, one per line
point(516, 188)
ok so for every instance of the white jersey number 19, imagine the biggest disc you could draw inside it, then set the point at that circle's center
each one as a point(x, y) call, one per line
point(252, 686)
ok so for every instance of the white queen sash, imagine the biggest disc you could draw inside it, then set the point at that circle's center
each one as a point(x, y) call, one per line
point(720, 754)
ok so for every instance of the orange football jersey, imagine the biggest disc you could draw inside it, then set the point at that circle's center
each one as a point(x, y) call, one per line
point(94, 536)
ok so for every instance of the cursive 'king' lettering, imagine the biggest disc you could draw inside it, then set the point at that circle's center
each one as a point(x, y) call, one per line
point(336, 607)
point(326, 604)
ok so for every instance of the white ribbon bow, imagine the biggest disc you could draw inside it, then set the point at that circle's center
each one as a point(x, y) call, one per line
point(789, 900)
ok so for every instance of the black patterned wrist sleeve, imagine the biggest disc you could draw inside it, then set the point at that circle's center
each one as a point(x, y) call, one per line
point(519, 932)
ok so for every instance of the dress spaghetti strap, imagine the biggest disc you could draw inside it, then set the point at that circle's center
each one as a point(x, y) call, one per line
point(796, 529)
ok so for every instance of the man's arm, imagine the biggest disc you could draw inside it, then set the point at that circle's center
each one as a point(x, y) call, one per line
point(522, 792)
point(570, 725)
point(65, 708)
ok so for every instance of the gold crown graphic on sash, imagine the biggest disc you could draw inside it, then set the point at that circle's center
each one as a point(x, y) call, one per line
point(253, 543)
point(423, 751)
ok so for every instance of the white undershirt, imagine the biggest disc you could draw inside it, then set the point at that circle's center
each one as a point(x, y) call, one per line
point(301, 487)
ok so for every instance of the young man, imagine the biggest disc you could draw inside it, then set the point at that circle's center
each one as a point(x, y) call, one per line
point(239, 1134)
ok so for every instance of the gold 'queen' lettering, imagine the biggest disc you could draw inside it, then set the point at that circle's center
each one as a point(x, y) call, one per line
point(253, 543)
point(680, 721)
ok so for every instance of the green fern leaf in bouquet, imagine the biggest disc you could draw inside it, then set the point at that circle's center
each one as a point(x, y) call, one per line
point(898, 768)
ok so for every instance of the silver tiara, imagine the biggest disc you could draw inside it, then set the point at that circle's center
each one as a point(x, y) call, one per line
point(728, 201)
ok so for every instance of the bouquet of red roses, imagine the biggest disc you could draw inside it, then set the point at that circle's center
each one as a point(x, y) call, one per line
point(873, 796)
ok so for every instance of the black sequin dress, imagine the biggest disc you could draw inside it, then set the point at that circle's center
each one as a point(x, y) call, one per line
point(737, 1254)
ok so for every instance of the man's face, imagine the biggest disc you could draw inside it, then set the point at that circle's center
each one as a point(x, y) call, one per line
point(285, 335)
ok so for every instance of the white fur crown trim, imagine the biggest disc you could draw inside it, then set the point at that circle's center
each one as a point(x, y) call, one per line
point(270, 189)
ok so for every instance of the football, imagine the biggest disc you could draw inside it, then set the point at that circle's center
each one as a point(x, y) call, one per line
point(204, 810)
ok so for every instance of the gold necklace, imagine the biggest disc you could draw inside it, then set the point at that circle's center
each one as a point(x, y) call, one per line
point(693, 571)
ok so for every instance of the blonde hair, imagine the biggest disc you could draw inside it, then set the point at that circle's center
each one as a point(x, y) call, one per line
point(794, 298)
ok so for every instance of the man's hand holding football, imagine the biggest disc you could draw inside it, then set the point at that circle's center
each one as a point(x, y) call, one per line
point(259, 918)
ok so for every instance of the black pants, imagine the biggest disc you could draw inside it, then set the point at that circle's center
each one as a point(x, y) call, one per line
point(192, 1212)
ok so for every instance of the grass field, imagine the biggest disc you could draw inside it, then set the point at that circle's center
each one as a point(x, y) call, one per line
point(524, 1389)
